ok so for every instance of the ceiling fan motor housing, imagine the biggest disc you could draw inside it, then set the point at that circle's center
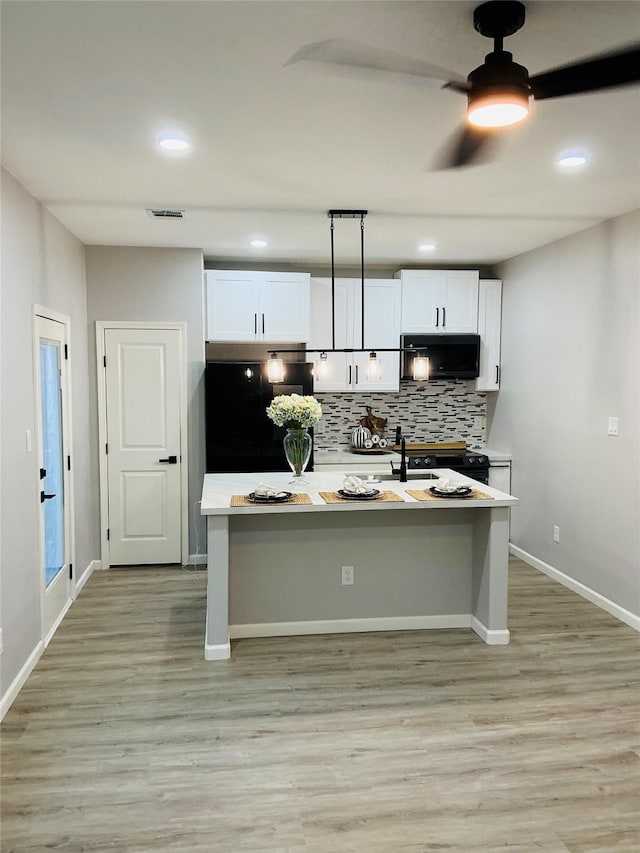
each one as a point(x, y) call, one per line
point(499, 75)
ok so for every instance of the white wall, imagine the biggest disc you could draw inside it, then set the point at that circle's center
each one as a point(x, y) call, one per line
point(42, 263)
point(571, 359)
point(162, 285)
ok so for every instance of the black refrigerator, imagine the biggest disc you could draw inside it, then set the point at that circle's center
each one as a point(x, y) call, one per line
point(240, 436)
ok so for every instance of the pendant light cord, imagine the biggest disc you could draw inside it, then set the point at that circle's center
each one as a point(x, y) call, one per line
point(333, 290)
point(362, 272)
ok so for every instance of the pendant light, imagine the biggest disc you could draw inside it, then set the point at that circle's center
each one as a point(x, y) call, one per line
point(322, 366)
point(275, 369)
point(420, 368)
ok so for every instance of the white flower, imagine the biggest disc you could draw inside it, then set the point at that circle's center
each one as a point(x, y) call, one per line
point(293, 411)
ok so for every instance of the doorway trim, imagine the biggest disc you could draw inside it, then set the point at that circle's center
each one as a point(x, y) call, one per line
point(181, 328)
point(67, 415)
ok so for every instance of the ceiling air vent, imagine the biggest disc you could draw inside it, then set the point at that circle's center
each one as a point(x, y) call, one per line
point(160, 213)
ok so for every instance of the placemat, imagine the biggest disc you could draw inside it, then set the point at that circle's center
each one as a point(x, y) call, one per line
point(421, 495)
point(243, 500)
point(333, 498)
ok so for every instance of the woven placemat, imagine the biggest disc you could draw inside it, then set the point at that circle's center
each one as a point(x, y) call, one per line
point(333, 498)
point(243, 500)
point(421, 495)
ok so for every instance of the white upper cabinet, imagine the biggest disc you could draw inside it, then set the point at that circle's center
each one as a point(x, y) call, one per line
point(489, 329)
point(439, 301)
point(257, 306)
point(348, 371)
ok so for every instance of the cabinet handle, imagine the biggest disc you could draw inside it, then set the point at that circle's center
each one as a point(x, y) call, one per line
point(263, 324)
point(497, 374)
point(356, 374)
point(444, 317)
point(349, 375)
point(255, 324)
point(437, 317)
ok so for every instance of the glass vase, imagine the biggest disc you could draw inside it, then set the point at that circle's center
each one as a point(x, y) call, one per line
point(297, 449)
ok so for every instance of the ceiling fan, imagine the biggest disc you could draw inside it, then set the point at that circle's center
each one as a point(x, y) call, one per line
point(498, 91)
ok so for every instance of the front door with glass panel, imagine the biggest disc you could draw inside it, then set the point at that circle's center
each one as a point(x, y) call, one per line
point(51, 393)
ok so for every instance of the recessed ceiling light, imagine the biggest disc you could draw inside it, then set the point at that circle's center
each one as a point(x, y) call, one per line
point(173, 142)
point(258, 244)
point(573, 160)
point(427, 247)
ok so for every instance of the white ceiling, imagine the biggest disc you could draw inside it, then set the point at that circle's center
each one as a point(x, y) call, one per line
point(86, 86)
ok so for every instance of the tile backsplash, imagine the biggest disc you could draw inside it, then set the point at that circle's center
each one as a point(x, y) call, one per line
point(435, 411)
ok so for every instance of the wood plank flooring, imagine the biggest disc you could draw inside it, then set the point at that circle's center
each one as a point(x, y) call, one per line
point(125, 739)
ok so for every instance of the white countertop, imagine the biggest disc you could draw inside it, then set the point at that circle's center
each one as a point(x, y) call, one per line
point(218, 489)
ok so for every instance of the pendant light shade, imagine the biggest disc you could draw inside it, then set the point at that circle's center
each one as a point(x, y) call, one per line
point(322, 368)
point(373, 370)
point(420, 368)
point(275, 369)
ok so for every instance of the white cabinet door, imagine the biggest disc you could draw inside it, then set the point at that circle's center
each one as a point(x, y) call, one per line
point(460, 309)
point(500, 476)
point(339, 364)
point(284, 307)
point(347, 371)
point(381, 330)
point(423, 294)
point(233, 299)
point(489, 329)
point(439, 301)
point(257, 306)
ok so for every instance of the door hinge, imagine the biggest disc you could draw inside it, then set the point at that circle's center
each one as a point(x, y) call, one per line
point(108, 534)
point(43, 473)
point(70, 571)
point(66, 352)
point(68, 463)
point(104, 360)
point(106, 449)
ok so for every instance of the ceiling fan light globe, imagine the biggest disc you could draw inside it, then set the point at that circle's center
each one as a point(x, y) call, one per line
point(497, 110)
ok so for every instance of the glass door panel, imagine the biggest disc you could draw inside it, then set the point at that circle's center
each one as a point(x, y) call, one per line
point(52, 472)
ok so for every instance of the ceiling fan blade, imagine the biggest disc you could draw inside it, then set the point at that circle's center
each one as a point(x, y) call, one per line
point(467, 147)
point(589, 75)
point(354, 54)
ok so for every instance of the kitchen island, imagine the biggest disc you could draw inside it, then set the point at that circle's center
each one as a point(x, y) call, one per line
point(277, 569)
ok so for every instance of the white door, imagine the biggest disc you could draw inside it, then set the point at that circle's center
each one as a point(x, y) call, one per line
point(55, 522)
point(143, 405)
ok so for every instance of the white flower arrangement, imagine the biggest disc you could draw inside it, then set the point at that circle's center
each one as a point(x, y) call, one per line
point(294, 411)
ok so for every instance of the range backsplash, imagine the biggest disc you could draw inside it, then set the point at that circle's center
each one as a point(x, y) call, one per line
point(434, 411)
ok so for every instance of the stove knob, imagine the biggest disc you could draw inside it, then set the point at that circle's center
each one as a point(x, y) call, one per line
point(471, 460)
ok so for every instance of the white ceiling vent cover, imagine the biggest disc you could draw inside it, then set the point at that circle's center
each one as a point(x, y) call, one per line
point(161, 213)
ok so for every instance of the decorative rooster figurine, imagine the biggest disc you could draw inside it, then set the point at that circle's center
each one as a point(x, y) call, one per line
point(373, 423)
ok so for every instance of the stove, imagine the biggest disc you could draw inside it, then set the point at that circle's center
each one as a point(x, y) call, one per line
point(468, 462)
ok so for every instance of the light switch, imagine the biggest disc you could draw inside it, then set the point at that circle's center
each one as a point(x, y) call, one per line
point(613, 426)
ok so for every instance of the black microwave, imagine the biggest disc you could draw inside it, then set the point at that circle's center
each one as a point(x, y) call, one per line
point(450, 356)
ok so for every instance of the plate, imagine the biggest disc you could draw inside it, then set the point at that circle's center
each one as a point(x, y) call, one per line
point(281, 498)
point(460, 492)
point(364, 496)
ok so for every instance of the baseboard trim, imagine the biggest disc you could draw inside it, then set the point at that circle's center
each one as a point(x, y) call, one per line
point(349, 626)
point(94, 566)
point(19, 681)
point(491, 636)
point(581, 589)
point(197, 560)
point(219, 652)
point(58, 621)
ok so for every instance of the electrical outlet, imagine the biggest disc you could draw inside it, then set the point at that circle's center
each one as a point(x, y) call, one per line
point(347, 575)
point(612, 428)
point(556, 533)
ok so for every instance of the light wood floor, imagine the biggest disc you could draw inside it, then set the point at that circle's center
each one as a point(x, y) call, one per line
point(125, 739)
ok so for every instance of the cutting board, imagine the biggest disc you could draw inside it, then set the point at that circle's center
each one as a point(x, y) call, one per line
point(450, 448)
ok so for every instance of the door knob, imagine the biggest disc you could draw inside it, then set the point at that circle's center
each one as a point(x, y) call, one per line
point(44, 497)
point(170, 460)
